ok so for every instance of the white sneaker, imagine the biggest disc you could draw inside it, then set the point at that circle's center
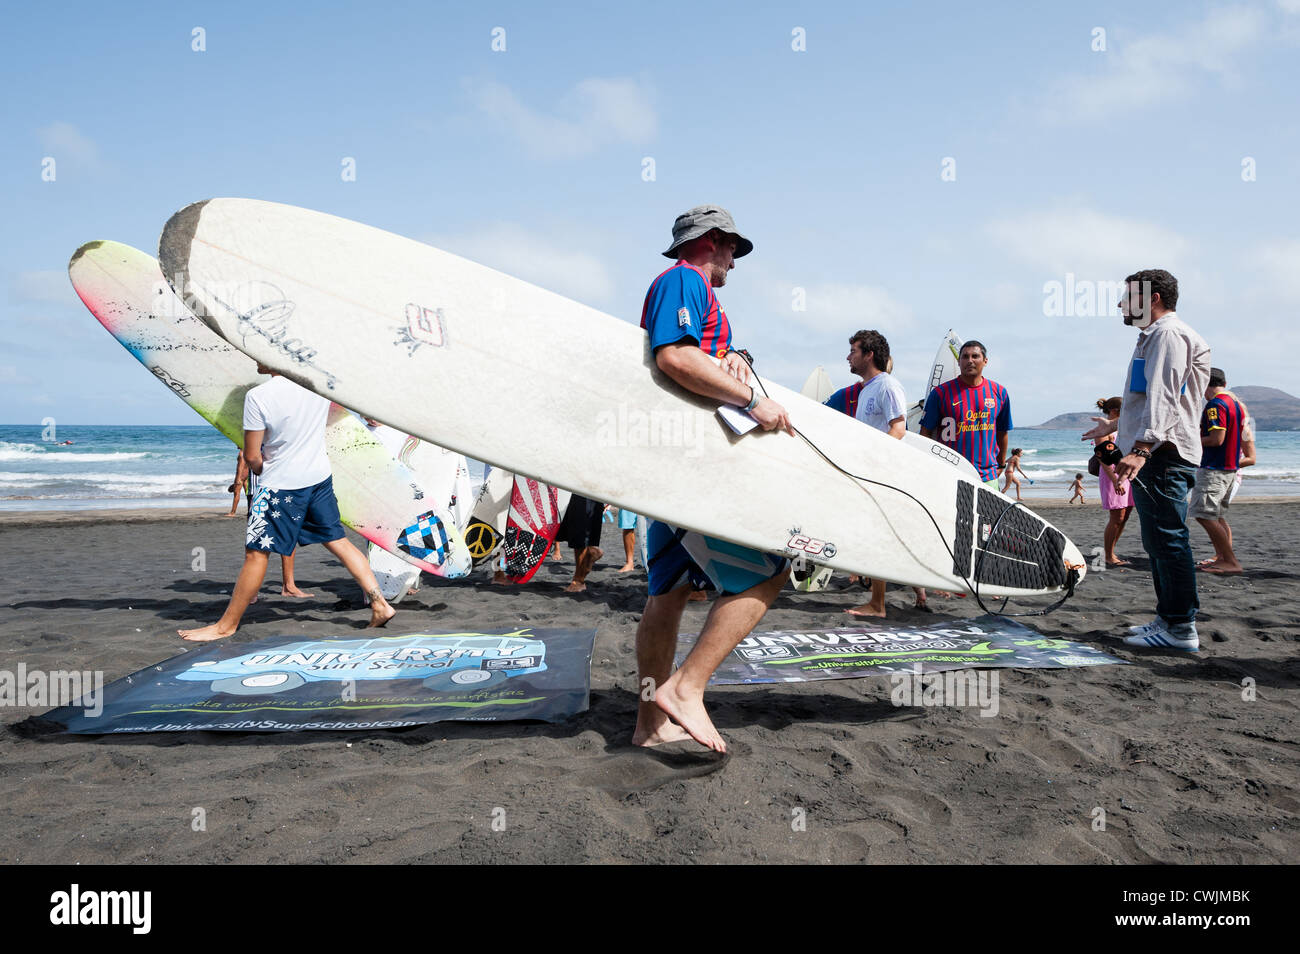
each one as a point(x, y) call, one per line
point(1182, 637)
point(1156, 625)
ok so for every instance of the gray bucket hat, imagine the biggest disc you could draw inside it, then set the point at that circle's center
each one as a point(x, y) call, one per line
point(694, 223)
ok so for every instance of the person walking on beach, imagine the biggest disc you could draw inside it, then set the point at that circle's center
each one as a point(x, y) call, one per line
point(294, 503)
point(1159, 433)
point(244, 480)
point(241, 476)
point(1012, 472)
point(1222, 425)
point(1116, 495)
point(627, 527)
point(879, 402)
point(1076, 489)
point(580, 529)
point(687, 327)
point(971, 414)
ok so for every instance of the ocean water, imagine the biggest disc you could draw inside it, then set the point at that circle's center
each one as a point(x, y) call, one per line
point(117, 467)
point(1052, 458)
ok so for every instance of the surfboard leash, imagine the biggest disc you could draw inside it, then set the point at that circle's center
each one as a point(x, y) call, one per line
point(1072, 575)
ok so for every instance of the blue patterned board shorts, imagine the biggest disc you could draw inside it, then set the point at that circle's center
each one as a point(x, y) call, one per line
point(280, 520)
point(708, 562)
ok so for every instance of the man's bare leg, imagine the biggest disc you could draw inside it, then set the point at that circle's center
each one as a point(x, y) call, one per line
point(1227, 564)
point(250, 578)
point(359, 567)
point(629, 542)
point(656, 644)
point(730, 620)
point(586, 559)
point(877, 605)
point(288, 586)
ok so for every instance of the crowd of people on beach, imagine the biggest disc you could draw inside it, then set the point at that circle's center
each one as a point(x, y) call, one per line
point(1176, 430)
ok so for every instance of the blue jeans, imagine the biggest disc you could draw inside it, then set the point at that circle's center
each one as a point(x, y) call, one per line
point(1160, 496)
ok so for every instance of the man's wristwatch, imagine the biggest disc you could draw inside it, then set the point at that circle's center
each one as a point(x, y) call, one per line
point(1140, 452)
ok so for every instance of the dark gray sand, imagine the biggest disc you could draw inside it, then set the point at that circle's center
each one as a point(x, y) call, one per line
point(1183, 767)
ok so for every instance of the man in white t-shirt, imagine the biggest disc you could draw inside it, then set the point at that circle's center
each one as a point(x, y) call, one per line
point(294, 505)
point(878, 401)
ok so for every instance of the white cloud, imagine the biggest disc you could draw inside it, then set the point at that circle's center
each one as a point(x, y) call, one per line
point(837, 306)
point(595, 113)
point(1004, 296)
point(42, 286)
point(1280, 263)
point(65, 143)
point(1154, 69)
point(552, 261)
point(1092, 245)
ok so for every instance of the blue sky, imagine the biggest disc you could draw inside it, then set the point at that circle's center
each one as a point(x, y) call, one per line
point(1068, 160)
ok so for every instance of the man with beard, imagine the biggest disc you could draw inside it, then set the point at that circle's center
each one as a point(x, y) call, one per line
point(687, 327)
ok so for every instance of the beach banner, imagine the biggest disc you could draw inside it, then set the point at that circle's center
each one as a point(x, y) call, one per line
point(884, 647)
point(283, 684)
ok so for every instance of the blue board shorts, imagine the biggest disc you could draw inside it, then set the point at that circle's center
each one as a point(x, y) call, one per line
point(626, 520)
point(280, 520)
point(708, 562)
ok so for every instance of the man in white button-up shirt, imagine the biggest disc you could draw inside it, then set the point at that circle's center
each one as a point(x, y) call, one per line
point(1159, 436)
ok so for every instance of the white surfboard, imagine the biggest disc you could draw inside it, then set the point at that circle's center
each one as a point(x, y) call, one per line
point(380, 499)
point(814, 576)
point(485, 531)
point(439, 468)
point(944, 368)
point(372, 320)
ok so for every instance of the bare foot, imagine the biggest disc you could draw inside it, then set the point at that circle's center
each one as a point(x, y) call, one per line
point(379, 617)
point(627, 568)
point(205, 634)
point(669, 731)
point(1212, 561)
point(576, 588)
point(698, 596)
point(866, 609)
point(232, 514)
point(688, 711)
point(1224, 569)
point(1118, 562)
point(294, 591)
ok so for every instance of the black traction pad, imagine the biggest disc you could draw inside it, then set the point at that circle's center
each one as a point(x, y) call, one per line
point(1025, 553)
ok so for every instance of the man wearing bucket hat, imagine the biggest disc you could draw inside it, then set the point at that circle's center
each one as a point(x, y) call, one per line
point(687, 327)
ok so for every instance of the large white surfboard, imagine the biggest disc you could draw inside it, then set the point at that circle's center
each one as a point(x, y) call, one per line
point(814, 577)
point(406, 333)
point(382, 500)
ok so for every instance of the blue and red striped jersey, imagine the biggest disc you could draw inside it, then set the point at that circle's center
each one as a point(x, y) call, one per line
point(969, 420)
point(846, 399)
point(1222, 413)
point(681, 304)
